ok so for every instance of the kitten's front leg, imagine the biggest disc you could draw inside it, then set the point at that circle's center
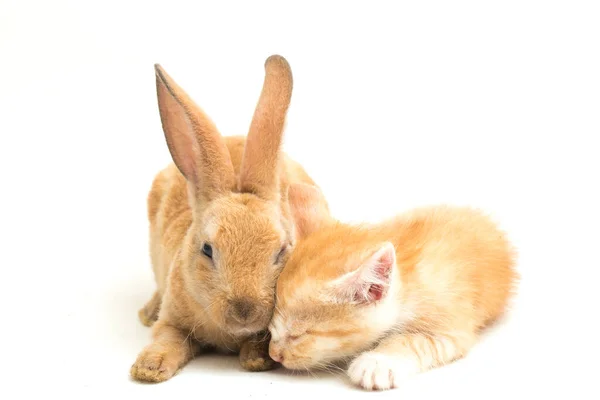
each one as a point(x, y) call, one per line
point(402, 355)
point(254, 353)
point(170, 350)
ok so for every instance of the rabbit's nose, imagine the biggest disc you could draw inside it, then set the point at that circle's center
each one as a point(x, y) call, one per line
point(243, 310)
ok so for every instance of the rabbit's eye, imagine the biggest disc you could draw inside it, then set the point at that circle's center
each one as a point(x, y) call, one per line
point(280, 255)
point(207, 250)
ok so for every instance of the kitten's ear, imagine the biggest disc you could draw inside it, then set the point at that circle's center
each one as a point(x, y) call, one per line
point(309, 208)
point(369, 282)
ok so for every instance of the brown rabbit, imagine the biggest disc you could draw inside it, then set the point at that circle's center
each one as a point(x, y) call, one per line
point(221, 228)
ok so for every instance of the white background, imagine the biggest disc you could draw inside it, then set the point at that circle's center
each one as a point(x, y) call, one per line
point(395, 105)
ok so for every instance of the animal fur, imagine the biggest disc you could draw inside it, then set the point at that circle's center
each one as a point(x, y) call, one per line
point(236, 195)
point(395, 298)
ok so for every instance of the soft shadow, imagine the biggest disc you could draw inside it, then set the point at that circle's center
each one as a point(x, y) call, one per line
point(214, 362)
point(335, 376)
point(121, 313)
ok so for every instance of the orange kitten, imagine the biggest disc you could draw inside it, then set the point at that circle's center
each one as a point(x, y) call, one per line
point(398, 298)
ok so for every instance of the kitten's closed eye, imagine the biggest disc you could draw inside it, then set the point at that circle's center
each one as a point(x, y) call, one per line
point(298, 334)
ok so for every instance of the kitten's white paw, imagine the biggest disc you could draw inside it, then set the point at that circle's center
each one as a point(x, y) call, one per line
point(377, 371)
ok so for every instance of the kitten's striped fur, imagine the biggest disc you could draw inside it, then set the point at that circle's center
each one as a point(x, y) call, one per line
point(397, 298)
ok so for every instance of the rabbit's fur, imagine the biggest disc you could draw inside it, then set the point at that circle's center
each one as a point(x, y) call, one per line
point(236, 195)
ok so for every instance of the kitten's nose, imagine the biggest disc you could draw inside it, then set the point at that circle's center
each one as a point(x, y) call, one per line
point(243, 311)
point(277, 356)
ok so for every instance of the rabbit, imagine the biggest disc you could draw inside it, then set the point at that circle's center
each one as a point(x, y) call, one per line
point(221, 227)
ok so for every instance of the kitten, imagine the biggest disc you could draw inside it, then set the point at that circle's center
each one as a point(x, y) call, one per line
point(398, 298)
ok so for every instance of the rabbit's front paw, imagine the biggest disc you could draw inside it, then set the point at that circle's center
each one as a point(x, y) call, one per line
point(149, 313)
point(154, 365)
point(257, 364)
point(254, 356)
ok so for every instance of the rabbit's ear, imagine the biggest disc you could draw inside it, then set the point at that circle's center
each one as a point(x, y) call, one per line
point(259, 172)
point(309, 208)
point(195, 144)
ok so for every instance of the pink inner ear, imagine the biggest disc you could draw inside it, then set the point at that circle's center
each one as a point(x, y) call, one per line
point(371, 281)
point(383, 269)
point(375, 292)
